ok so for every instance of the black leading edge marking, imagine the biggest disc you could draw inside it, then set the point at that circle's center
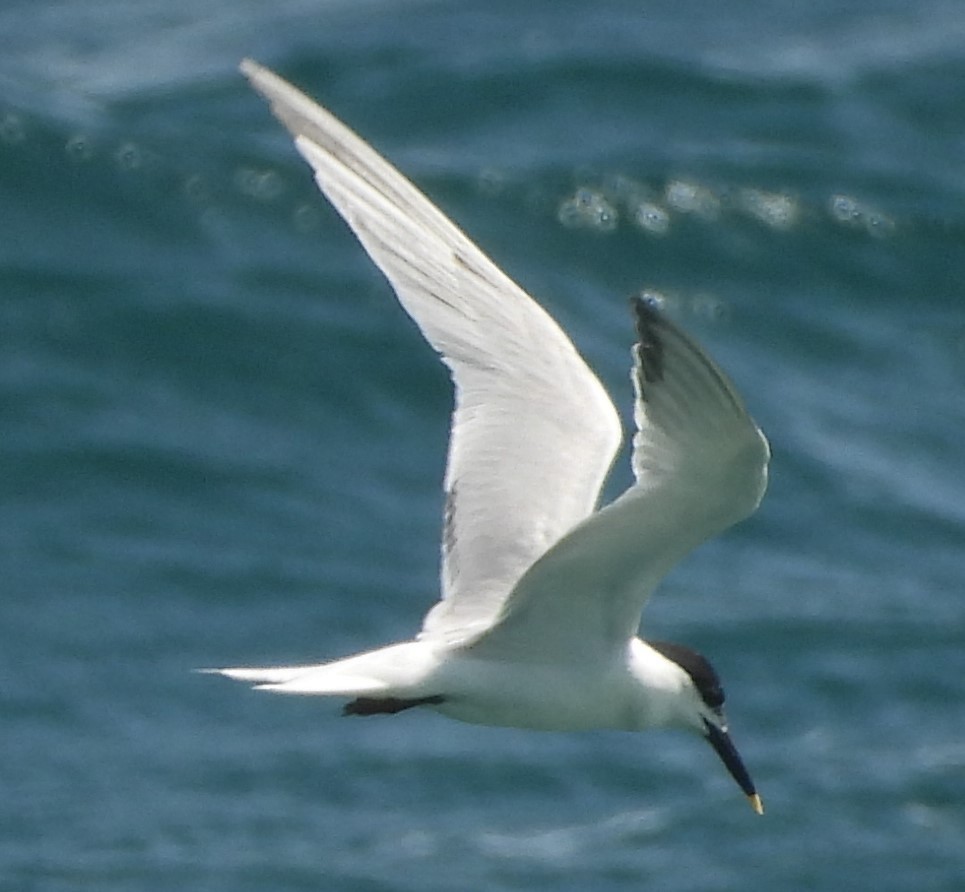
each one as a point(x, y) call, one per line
point(703, 675)
point(649, 347)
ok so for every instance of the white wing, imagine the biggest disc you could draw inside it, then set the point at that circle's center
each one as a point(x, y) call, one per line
point(533, 432)
point(700, 464)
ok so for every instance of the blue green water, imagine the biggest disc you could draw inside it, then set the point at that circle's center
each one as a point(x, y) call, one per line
point(221, 441)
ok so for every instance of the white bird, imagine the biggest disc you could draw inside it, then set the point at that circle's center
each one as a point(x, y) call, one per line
point(541, 592)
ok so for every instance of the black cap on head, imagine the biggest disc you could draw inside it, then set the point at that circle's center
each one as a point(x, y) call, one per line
point(697, 666)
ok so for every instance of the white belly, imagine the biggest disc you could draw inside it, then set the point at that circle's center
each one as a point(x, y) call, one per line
point(524, 695)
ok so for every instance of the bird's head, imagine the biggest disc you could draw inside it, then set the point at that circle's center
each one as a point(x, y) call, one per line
point(702, 710)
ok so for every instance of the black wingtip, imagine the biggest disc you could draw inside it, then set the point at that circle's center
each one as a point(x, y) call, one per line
point(649, 346)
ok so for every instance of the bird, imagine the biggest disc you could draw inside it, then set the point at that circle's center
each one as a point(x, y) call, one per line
point(541, 588)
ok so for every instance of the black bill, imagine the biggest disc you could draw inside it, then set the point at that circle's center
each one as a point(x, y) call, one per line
point(724, 746)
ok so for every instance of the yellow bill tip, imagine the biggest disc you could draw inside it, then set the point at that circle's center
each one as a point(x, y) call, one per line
point(756, 803)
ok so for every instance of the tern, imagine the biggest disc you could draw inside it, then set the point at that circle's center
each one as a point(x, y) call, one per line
point(541, 589)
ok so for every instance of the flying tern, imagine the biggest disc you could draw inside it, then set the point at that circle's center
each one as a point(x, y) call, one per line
point(541, 590)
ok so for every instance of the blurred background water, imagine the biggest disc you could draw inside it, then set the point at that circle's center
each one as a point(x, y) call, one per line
point(221, 441)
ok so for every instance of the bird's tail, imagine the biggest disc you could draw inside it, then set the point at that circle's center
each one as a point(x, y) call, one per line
point(319, 679)
point(389, 671)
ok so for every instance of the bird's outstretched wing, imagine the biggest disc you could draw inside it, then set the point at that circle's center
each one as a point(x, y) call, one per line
point(700, 464)
point(533, 431)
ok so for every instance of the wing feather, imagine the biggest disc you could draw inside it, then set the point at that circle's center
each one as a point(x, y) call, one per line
point(700, 464)
point(533, 431)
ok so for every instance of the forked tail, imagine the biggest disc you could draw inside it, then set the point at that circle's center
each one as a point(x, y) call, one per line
point(395, 673)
